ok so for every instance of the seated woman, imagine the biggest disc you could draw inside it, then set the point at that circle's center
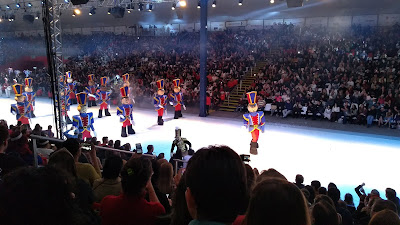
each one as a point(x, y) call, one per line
point(277, 201)
point(131, 206)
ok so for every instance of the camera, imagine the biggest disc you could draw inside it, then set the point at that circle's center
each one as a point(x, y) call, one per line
point(245, 158)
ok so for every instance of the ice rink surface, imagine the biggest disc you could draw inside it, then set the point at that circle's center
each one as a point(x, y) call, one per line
point(345, 158)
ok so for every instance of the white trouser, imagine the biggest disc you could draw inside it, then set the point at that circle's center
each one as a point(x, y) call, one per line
point(7, 91)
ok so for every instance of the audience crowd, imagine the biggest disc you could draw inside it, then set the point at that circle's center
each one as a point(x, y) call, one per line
point(346, 76)
point(80, 183)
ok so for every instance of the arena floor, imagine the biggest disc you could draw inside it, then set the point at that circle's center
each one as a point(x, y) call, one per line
point(345, 158)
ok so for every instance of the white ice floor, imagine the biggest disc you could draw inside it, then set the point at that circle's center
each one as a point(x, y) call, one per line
point(347, 159)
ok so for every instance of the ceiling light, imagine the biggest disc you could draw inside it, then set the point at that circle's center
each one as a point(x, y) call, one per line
point(29, 4)
point(150, 7)
point(214, 4)
point(182, 3)
point(109, 12)
point(7, 6)
point(198, 5)
point(272, 1)
point(173, 6)
point(140, 8)
point(77, 11)
point(240, 2)
point(18, 5)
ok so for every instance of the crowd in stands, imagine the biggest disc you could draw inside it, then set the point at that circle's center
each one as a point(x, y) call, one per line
point(80, 183)
point(347, 76)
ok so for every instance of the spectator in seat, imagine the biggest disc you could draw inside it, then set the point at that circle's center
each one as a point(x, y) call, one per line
point(85, 171)
point(216, 186)
point(348, 199)
point(380, 204)
point(131, 207)
point(110, 183)
point(323, 213)
point(180, 213)
point(165, 180)
point(328, 112)
point(150, 150)
point(334, 194)
point(288, 108)
point(380, 115)
point(392, 196)
point(335, 113)
point(8, 162)
point(362, 114)
point(44, 190)
point(63, 160)
point(316, 185)
point(297, 109)
point(279, 202)
point(49, 132)
point(385, 217)
point(371, 115)
point(187, 157)
point(299, 181)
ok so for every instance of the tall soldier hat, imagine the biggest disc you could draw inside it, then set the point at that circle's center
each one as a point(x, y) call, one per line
point(160, 84)
point(28, 82)
point(125, 77)
point(91, 77)
point(177, 82)
point(18, 89)
point(81, 98)
point(103, 81)
point(68, 74)
point(124, 92)
point(251, 97)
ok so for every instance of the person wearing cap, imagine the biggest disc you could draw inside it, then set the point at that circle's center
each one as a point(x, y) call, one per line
point(22, 110)
point(91, 91)
point(104, 96)
point(254, 121)
point(30, 95)
point(71, 88)
point(160, 101)
point(84, 121)
point(176, 99)
point(125, 112)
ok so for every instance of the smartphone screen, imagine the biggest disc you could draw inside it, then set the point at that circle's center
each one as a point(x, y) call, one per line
point(139, 148)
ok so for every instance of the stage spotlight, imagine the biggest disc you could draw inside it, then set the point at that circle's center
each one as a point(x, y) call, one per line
point(173, 6)
point(7, 7)
point(18, 5)
point(240, 2)
point(140, 8)
point(77, 11)
point(129, 11)
point(29, 4)
point(73, 14)
point(214, 4)
point(272, 1)
point(182, 3)
point(198, 5)
point(66, 1)
point(109, 12)
point(150, 7)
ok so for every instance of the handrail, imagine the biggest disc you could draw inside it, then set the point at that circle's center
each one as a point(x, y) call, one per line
point(35, 137)
point(176, 164)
